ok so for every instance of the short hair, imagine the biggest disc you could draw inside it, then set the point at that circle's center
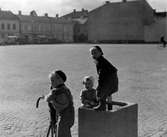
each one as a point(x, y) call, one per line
point(58, 72)
point(86, 78)
point(98, 48)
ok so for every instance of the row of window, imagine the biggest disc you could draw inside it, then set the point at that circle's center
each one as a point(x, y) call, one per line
point(41, 27)
point(8, 26)
point(27, 27)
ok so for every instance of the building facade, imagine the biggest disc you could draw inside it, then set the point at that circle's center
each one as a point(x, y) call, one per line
point(9, 25)
point(34, 27)
point(125, 21)
point(119, 21)
point(80, 28)
point(42, 29)
point(157, 29)
point(62, 29)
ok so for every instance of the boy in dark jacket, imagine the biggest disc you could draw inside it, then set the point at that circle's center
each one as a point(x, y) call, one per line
point(60, 102)
point(107, 77)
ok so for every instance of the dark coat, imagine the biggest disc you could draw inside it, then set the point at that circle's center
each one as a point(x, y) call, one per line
point(107, 78)
point(67, 114)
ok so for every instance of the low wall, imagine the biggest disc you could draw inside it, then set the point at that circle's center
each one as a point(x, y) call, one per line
point(122, 122)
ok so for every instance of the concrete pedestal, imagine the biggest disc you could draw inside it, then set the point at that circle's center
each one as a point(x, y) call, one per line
point(122, 122)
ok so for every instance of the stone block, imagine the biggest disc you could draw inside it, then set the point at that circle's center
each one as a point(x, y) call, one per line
point(120, 122)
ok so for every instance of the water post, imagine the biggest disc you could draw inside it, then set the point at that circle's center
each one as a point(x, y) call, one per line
point(120, 122)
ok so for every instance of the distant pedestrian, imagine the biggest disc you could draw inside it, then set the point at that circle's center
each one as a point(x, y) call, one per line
point(88, 94)
point(107, 78)
point(162, 40)
point(60, 102)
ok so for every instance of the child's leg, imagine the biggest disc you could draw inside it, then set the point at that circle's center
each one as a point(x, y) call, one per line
point(109, 99)
point(102, 105)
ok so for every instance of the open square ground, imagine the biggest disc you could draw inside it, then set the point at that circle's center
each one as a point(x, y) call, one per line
point(142, 70)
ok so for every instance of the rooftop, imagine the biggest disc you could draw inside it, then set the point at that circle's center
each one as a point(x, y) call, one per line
point(7, 15)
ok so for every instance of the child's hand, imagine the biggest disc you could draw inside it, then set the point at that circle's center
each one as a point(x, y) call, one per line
point(87, 105)
point(92, 103)
point(98, 99)
point(43, 97)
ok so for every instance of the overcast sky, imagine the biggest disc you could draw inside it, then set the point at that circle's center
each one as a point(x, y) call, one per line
point(61, 7)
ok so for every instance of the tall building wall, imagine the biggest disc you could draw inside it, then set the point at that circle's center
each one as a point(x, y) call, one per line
point(58, 31)
point(42, 28)
point(121, 29)
point(68, 33)
point(63, 31)
point(119, 21)
point(148, 13)
point(166, 28)
point(153, 32)
point(26, 27)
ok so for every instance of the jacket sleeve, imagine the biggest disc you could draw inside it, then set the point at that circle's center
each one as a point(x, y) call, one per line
point(83, 97)
point(59, 102)
point(107, 80)
point(102, 76)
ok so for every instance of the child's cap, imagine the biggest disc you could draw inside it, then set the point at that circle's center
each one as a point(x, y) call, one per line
point(60, 73)
point(86, 78)
point(97, 48)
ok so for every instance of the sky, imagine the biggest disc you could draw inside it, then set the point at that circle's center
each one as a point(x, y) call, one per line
point(62, 7)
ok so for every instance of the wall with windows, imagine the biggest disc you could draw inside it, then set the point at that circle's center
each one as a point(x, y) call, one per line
point(42, 28)
point(26, 27)
point(8, 28)
point(32, 28)
point(68, 32)
point(63, 30)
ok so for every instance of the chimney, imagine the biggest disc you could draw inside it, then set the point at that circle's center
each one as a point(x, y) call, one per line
point(74, 10)
point(33, 13)
point(20, 12)
point(46, 14)
point(83, 9)
point(124, 0)
point(86, 11)
point(107, 2)
point(57, 16)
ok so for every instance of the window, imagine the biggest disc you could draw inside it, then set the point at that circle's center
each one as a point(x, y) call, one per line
point(29, 28)
point(25, 27)
point(8, 26)
point(2, 26)
point(14, 26)
point(3, 35)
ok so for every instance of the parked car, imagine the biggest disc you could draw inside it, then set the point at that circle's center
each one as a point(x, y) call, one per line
point(2, 42)
point(11, 40)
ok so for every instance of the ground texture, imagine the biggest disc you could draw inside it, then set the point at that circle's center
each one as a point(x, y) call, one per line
point(24, 77)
